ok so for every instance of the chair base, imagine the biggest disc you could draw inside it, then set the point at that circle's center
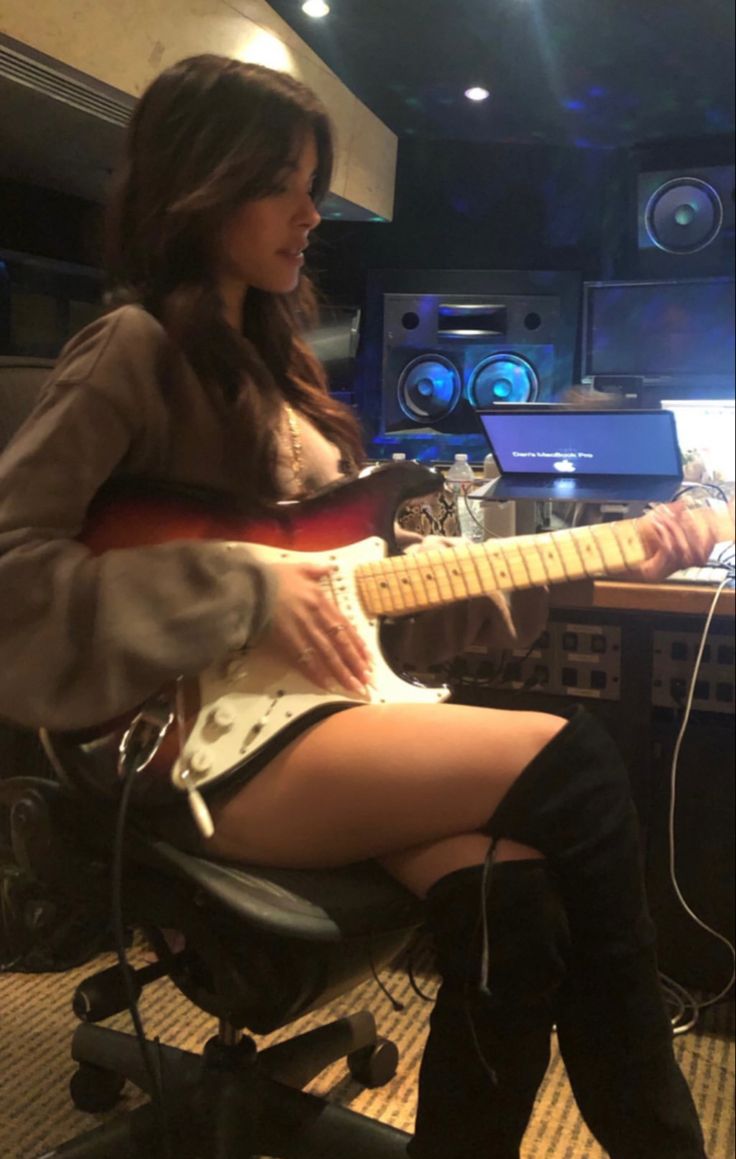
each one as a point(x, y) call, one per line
point(234, 1102)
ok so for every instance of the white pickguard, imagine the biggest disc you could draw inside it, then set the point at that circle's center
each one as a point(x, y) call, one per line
point(250, 698)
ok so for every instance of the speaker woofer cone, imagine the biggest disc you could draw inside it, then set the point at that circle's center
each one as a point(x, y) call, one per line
point(503, 377)
point(683, 215)
point(429, 388)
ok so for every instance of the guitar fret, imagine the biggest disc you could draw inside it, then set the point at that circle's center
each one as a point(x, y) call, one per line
point(394, 598)
point(483, 577)
point(446, 585)
point(589, 552)
point(629, 542)
point(367, 588)
point(427, 572)
point(551, 558)
point(579, 567)
point(532, 560)
point(410, 575)
point(457, 575)
point(608, 545)
point(575, 558)
point(514, 562)
point(495, 557)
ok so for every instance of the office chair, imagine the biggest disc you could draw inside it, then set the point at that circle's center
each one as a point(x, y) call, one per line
point(20, 381)
point(261, 948)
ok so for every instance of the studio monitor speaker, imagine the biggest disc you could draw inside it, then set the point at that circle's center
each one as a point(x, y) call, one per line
point(686, 222)
point(447, 356)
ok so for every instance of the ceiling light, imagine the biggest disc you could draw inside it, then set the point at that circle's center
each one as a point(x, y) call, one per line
point(477, 94)
point(315, 8)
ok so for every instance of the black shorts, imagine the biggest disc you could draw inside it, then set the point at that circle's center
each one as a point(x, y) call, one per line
point(174, 822)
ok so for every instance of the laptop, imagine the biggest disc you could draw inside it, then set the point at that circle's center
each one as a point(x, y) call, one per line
point(568, 454)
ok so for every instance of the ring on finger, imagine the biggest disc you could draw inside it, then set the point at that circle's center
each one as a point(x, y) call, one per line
point(335, 629)
point(306, 655)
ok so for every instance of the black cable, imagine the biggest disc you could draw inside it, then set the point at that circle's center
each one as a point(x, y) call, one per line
point(397, 1006)
point(154, 1074)
point(714, 487)
point(410, 973)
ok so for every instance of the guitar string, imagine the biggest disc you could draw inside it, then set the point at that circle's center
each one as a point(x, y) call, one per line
point(613, 547)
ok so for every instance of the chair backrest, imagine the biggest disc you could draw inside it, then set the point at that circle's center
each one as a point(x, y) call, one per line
point(21, 380)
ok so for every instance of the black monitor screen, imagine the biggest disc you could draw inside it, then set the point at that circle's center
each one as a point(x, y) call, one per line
point(659, 329)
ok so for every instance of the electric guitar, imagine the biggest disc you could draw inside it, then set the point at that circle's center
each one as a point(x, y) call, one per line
point(196, 731)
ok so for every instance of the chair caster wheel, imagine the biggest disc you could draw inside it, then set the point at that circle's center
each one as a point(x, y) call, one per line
point(374, 1066)
point(94, 1089)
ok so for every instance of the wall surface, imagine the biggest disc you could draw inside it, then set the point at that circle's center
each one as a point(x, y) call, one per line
point(125, 43)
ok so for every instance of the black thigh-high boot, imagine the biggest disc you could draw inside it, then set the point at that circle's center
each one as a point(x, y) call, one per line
point(489, 1040)
point(573, 803)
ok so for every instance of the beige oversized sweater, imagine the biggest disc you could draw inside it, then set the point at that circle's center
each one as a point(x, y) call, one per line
point(84, 638)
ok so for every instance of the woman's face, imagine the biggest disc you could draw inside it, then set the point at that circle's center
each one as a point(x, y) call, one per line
point(262, 242)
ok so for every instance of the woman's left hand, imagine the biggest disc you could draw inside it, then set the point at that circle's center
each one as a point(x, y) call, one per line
point(430, 542)
point(677, 536)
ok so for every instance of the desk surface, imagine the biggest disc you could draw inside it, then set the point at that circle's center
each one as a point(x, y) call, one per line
point(677, 598)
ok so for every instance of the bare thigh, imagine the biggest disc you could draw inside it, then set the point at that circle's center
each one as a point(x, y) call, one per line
point(375, 781)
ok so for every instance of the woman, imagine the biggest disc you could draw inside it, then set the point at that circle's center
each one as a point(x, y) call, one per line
point(203, 379)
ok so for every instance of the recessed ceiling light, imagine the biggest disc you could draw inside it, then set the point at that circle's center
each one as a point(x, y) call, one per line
point(477, 94)
point(315, 8)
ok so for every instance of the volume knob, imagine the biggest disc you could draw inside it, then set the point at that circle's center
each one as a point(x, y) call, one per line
point(200, 762)
point(222, 717)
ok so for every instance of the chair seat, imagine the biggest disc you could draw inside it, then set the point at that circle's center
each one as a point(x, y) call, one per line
point(314, 905)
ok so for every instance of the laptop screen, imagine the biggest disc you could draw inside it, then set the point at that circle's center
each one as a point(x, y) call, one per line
point(578, 442)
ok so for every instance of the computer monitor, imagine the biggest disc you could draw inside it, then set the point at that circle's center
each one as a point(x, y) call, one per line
point(705, 432)
point(673, 335)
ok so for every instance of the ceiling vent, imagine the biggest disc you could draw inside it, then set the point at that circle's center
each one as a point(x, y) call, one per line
point(60, 128)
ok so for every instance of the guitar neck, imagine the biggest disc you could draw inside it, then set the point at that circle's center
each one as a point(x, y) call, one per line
point(399, 585)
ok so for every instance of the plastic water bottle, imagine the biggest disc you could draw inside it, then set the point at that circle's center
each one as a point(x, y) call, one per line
point(460, 479)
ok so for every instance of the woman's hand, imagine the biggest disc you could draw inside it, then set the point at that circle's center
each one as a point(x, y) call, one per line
point(430, 542)
point(677, 536)
point(312, 634)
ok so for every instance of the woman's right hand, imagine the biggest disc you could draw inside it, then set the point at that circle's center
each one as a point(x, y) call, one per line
point(309, 630)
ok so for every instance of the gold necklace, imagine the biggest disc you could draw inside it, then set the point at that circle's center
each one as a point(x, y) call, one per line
point(297, 452)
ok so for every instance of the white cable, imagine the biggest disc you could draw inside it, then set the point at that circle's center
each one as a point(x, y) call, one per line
point(470, 512)
point(673, 801)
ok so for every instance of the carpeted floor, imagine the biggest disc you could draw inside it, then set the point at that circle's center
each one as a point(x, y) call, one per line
point(36, 1025)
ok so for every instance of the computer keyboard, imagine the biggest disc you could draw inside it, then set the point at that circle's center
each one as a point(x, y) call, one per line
point(711, 576)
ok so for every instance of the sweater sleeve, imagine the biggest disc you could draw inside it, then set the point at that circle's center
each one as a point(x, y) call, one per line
point(82, 637)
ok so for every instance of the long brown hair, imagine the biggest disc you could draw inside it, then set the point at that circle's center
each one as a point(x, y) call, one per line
point(208, 134)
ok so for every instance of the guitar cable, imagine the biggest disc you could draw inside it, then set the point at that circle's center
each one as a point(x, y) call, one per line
point(152, 1065)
